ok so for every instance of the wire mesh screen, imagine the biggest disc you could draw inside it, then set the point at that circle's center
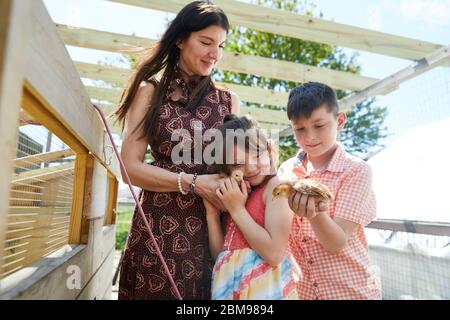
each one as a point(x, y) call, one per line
point(40, 200)
point(410, 182)
point(412, 266)
point(417, 102)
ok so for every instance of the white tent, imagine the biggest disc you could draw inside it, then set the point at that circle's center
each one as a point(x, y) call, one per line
point(412, 176)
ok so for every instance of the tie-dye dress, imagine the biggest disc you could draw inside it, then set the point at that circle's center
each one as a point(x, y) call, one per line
point(241, 274)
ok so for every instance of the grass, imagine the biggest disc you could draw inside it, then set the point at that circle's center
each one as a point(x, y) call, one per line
point(123, 224)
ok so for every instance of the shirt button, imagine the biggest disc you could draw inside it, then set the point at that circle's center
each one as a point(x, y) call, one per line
point(315, 285)
point(310, 261)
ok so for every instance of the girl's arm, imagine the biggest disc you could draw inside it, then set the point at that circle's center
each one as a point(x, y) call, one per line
point(269, 242)
point(215, 234)
point(151, 177)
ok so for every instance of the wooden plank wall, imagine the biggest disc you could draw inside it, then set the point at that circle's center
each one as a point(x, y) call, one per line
point(13, 38)
point(51, 80)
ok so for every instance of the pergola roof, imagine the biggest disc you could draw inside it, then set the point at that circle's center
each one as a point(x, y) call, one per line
point(273, 21)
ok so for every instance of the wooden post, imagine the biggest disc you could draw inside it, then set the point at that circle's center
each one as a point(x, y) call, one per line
point(13, 54)
point(82, 175)
point(113, 188)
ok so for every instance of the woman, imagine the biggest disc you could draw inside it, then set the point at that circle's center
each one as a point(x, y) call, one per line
point(151, 110)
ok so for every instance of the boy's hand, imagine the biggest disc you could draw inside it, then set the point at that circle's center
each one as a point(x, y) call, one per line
point(232, 195)
point(305, 206)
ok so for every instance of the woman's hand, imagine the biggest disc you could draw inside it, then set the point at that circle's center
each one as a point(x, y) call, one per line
point(232, 195)
point(305, 206)
point(206, 186)
point(211, 210)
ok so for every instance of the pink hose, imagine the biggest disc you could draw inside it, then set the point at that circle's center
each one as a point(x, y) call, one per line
point(127, 179)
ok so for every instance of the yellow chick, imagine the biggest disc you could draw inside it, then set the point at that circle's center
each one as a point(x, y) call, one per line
point(238, 175)
point(304, 186)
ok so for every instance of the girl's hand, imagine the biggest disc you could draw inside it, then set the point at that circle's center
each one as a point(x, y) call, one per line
point(206, 186)
point(232, 195)
point(305, 206)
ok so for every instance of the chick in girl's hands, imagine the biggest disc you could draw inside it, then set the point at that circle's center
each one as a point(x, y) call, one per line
point(233, 195)
point(237, 175)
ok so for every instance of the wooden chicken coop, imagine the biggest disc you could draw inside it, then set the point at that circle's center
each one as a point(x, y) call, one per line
point(58, 180)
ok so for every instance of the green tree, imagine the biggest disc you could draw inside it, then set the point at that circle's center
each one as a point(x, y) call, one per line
point(364, 129)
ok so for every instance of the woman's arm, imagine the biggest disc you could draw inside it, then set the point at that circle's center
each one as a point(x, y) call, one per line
point(134, 149)
point(269, 242)
point(215, 234)
point(151, 177)
point(235, 103)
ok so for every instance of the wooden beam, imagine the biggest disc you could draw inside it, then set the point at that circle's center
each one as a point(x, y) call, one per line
point(96, 193)
point(14, 28)
point(439, 57)
point(231, 61)
point(419, 227)
point(305, 27)
point(44, 174)
point(82, 165)
point(102, 40)
point(258, 95)
point(43, 157)
point(113, 188)
point(31, 210)
point(119, 76)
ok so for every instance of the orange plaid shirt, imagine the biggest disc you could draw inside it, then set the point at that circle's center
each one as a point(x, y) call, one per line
point(349, 274)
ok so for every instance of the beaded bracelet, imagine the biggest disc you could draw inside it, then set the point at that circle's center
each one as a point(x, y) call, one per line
point(192, 185)
point(179, 183)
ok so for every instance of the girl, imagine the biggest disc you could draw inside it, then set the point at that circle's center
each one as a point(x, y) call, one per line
point(251, 258)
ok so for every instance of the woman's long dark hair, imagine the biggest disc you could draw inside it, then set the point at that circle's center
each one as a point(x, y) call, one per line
point(164, 57)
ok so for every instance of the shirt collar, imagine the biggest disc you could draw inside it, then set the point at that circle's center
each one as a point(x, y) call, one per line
point(336, 164)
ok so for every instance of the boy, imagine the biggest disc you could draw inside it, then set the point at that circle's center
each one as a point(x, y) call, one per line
point(329, 245)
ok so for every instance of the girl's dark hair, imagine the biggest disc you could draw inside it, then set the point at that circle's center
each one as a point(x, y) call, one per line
point(307, 97)
point(239, 126)
point(164, 57)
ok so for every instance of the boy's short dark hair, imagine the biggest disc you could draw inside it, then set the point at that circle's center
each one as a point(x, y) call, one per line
point(307, 97)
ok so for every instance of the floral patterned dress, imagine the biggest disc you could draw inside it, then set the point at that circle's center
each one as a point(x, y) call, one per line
point(177, 221)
